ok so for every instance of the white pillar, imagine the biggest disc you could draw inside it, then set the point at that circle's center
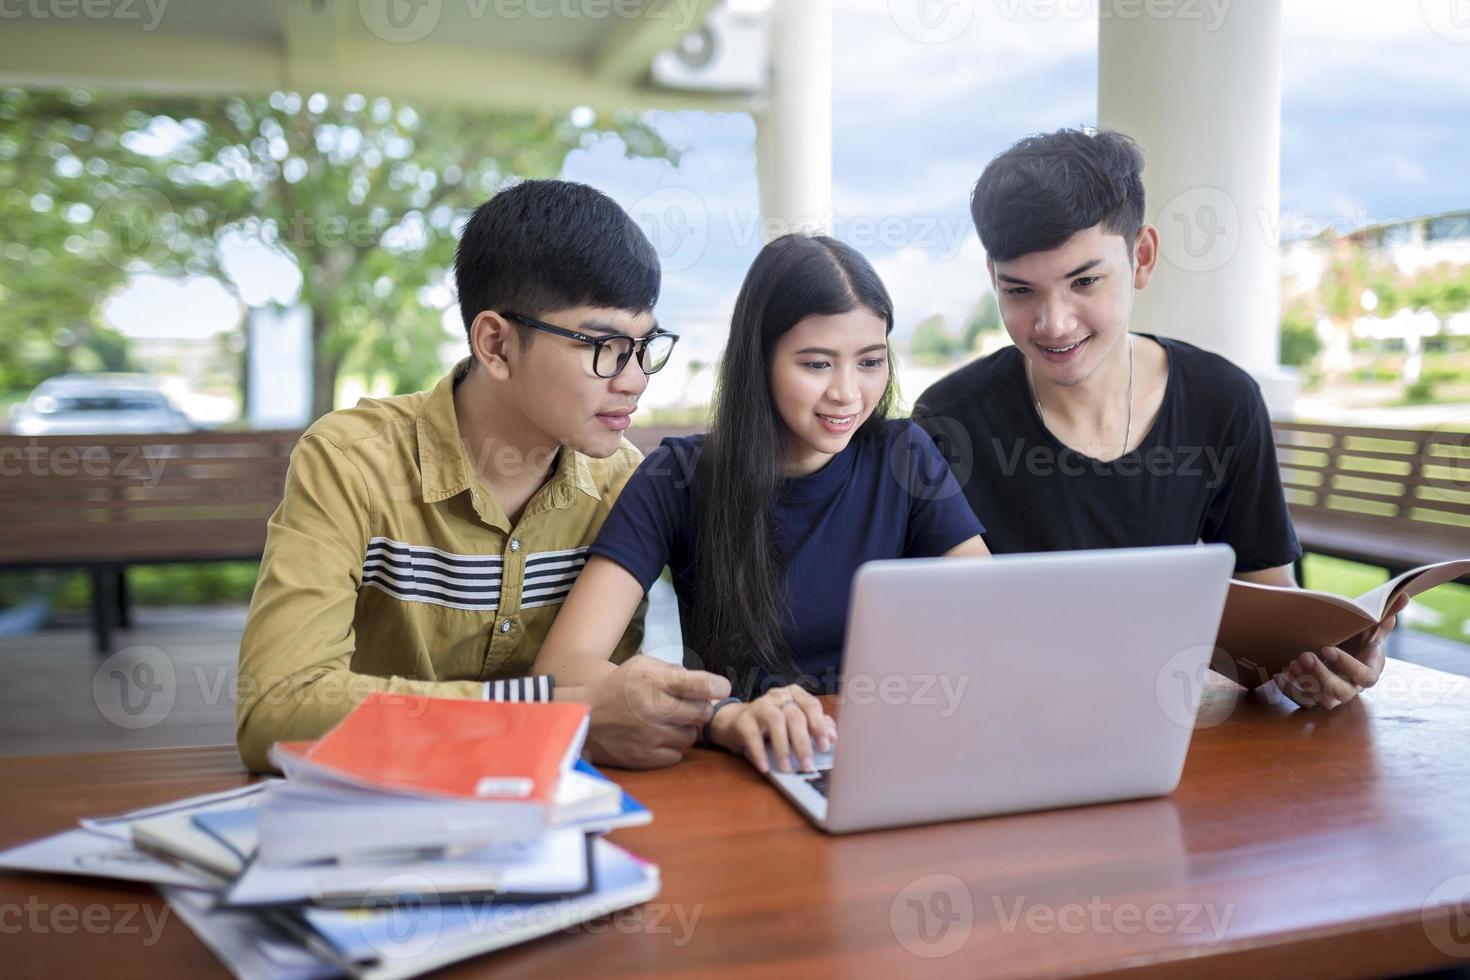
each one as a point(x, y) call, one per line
point(1202, 95)
point(794, 133)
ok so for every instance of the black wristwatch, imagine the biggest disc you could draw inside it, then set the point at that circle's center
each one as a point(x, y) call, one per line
point(704, 736)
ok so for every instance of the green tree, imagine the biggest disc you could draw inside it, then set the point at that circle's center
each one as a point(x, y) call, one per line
point(931, 343)
point(1299, 341)
point(984, 319)
point(54, 267)
point(365, 195)
point(1343, 284)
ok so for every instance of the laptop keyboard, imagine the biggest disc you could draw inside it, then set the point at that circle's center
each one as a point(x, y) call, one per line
point(818, 781)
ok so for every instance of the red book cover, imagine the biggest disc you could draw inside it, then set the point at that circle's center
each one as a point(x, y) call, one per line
point(460, 749)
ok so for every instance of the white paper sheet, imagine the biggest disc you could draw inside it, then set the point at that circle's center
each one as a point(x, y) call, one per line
point(84, 852)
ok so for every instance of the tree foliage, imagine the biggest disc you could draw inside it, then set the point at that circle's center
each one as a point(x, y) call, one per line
point(364, 194)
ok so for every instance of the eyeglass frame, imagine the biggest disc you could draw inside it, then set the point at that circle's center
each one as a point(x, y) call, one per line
point(640, 344)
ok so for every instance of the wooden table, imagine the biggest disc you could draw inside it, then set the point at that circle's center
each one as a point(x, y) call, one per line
point(1299, 843)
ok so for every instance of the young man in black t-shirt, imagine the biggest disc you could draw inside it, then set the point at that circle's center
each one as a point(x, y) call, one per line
point(1085, 435)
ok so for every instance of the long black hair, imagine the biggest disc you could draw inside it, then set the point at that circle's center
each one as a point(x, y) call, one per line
point(742, 606)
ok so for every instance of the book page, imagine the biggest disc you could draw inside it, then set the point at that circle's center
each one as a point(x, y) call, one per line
point(1412, 583)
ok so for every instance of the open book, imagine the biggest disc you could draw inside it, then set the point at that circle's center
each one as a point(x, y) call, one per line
point(1265, 627)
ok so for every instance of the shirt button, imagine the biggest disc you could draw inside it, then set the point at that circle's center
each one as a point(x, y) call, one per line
point(505, 626)
point(515, 544)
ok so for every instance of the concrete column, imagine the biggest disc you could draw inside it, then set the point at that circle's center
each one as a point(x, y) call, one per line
point(1200, 89)
point(794, 133)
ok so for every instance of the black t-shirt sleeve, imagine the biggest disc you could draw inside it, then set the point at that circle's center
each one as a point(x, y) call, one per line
point(940, 517)
point(1248, 511)
point(641, 529)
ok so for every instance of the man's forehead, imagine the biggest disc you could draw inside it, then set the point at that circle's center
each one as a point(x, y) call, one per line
point(1084, 246)
point(605, 320)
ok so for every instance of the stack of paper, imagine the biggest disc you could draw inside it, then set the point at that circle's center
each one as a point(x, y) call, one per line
point(362, 862)
point(407, 774)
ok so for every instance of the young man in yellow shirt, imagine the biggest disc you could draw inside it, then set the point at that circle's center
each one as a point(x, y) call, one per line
point(426, 541)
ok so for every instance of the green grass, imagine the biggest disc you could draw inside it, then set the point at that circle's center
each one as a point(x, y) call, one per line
point(1352, 579)
point(214, 583)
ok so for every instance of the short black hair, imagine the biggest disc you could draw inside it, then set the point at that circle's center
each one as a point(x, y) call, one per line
point(1047, 187)
point(547, 245)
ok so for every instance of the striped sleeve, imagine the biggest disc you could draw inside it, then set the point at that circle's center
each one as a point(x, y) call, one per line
point(537, 688)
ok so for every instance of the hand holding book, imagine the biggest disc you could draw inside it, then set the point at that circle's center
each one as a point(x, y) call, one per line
point(1337, 674)
point(1266, 628)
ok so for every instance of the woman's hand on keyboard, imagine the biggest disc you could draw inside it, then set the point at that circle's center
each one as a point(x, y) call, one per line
point(789, 717)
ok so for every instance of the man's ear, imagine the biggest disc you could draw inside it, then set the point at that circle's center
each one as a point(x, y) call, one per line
point(990, 271)
point(1145, 255)
point(492, 337)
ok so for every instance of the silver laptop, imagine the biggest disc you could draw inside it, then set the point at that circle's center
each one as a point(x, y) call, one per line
point(979, 686)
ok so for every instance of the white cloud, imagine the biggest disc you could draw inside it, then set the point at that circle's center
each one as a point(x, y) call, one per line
point(1346, 52)
point(877, 65)
point(923, 282)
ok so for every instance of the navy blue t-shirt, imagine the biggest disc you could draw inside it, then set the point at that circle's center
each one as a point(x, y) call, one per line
point(888, 495)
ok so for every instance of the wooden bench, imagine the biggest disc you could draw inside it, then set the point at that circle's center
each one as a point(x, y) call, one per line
point(105, 502)
point(109, 501)
point(1395, 498)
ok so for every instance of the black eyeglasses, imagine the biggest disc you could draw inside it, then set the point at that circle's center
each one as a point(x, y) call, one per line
point(610, 354)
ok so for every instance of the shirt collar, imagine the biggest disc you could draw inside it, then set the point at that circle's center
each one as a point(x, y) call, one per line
point(446, 469)
point(573, 468)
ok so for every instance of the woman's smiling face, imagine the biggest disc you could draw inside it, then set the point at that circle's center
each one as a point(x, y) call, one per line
point(828, 374)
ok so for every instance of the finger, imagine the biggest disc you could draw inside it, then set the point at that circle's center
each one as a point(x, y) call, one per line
point(1305, 692)
point(694, 685)
point(1286, 684)
point(801, 739)
point(773, 720)
point(817, 724)
point(816, 720)
point(680, 738)
point(1331, 688)
point(1336, 687)
point(749, 733)
point(661, 711)
point(668, 703)
point(1303, 686)
point(662, 758)
point(1349, 667)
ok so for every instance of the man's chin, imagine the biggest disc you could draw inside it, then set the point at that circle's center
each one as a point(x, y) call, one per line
point(597, 445)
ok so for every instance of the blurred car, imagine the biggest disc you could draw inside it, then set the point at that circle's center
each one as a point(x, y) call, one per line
point(86, 404)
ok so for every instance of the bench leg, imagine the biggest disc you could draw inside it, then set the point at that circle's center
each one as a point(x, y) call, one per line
point(120, 584)
point(103, 603)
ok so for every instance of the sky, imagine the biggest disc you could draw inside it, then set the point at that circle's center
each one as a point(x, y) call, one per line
point(1375, 125)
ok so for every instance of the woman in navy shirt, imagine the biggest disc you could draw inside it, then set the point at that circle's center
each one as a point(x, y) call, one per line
point(764, 521)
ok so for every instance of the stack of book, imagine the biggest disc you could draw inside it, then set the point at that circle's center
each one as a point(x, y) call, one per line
point(416, 833)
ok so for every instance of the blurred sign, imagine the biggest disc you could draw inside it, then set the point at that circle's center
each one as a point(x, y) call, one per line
point(279, 394)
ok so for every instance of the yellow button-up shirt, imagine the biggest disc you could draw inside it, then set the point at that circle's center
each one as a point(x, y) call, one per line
point(388, 567)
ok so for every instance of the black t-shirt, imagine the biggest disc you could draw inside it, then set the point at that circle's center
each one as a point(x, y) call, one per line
point(1206, 471)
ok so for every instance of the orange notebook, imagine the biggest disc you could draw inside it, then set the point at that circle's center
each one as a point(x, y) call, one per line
point(456, 749)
